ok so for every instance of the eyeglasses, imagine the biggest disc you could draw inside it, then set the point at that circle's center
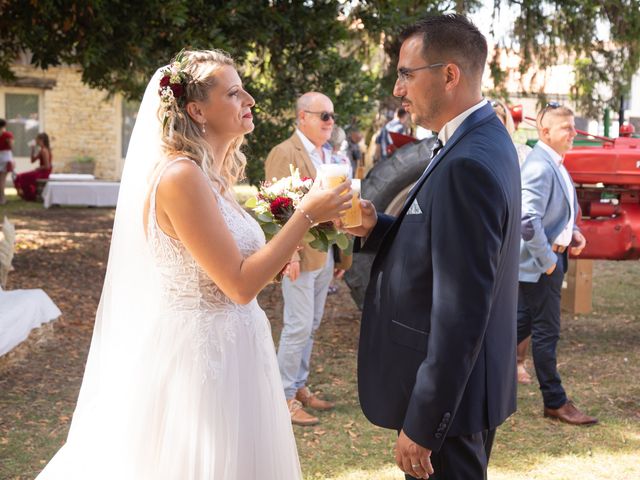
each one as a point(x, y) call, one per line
point(324, 116)
point(547, 107)
point(404, 73)
point(497, 104)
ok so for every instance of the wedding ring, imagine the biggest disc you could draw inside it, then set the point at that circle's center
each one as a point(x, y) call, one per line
point(416, 466)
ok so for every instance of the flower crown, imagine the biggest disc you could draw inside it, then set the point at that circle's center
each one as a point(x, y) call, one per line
point(173, 85)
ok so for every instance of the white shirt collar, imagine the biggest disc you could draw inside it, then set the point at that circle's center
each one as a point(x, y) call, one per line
point(317, 155)
point(555, 156)
point(452, 125)
point(308, 145)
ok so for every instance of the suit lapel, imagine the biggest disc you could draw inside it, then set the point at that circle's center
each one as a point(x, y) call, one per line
point(558, 174)
point(306, 159)
point(477, 118)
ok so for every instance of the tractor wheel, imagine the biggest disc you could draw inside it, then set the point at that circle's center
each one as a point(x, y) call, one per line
point(387, 185)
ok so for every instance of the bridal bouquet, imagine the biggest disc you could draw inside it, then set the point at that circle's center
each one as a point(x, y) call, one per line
point(275, 203)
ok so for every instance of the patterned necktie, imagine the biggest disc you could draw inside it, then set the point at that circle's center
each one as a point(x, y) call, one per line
point(436, 148)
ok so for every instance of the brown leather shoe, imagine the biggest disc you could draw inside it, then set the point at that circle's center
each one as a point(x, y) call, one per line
point(568, 413)
point(299, 416)
point(311, 400)
point(523, 376)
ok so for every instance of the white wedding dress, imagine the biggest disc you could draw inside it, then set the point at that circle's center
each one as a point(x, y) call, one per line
point(204, 399)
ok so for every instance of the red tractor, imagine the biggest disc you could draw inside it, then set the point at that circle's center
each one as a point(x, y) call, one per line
point(607, 178)
point(607, 182)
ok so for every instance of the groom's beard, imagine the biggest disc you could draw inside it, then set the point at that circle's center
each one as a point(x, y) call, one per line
point(426, 116)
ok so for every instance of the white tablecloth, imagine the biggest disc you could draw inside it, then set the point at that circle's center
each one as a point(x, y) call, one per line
point(92, 194)
point(71, 177)
point(20, 312)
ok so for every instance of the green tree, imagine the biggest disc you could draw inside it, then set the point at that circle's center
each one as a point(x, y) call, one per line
point(283, 47)
point(577, 30)
point(287, 47)
point(382, 22)
point(600, 38)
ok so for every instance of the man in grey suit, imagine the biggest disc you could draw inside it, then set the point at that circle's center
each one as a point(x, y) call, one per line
point(549, 213)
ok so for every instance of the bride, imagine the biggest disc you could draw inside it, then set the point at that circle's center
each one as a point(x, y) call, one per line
point(182, 381)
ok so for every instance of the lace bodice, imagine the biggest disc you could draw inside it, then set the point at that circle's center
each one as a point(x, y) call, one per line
point(190, 297)
point(185, 283)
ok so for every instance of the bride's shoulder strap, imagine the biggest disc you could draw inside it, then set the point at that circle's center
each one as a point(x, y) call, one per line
point(158, 173)
point(164, 166)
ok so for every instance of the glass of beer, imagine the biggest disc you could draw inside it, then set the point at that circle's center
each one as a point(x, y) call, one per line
point(333, 174)
point(353, 216)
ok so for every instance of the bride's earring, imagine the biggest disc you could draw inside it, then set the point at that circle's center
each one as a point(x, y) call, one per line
point(203, 129)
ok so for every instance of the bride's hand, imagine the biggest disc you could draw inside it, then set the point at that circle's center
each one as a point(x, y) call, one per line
point(323, 205)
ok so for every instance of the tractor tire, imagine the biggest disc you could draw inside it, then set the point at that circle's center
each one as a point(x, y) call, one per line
point(387, 185)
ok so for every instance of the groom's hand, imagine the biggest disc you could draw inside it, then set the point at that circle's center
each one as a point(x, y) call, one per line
point(369, 220)
point(413, 459)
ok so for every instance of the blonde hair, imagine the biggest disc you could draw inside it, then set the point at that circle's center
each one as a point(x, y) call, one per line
point(183, 137)
point(553, 109)
point(503, 113)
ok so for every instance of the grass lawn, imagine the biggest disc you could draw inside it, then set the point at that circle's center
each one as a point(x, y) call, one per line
point(600, 364)
point(64, 251)
point(14, 203)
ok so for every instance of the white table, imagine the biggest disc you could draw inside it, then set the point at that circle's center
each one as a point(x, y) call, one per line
point(91, 194)
point(22, 311)
point(71, 177)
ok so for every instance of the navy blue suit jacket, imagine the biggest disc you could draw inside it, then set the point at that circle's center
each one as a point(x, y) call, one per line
point(438, 336)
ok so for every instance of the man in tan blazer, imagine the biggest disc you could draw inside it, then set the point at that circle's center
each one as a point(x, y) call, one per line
point(305, 286)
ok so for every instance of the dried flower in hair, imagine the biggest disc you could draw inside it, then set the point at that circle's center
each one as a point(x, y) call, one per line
point(172, 87)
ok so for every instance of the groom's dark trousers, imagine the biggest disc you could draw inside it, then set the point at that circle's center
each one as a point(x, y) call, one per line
point(462, 458)
point(437, 345)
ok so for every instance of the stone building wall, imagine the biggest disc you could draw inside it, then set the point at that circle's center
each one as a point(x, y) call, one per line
point(79, 120)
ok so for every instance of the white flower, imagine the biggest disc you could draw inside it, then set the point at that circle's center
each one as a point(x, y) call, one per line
point(166, 96)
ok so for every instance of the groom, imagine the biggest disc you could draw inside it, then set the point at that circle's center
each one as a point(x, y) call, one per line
point(438, 337)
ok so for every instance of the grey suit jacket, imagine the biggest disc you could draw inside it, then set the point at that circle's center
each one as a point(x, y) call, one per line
point(545, 213)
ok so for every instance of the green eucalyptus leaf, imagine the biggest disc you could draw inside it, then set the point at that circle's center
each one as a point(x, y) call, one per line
point(323, 237)
point(342, 241)
point(270, 228)
point(251, 202)
point(263, 217)
point(318, 245)
point(331, 235)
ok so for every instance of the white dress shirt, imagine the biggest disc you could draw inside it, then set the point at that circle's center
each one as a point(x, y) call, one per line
point(318, 156)
point(566, 235)
point(452, 125)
